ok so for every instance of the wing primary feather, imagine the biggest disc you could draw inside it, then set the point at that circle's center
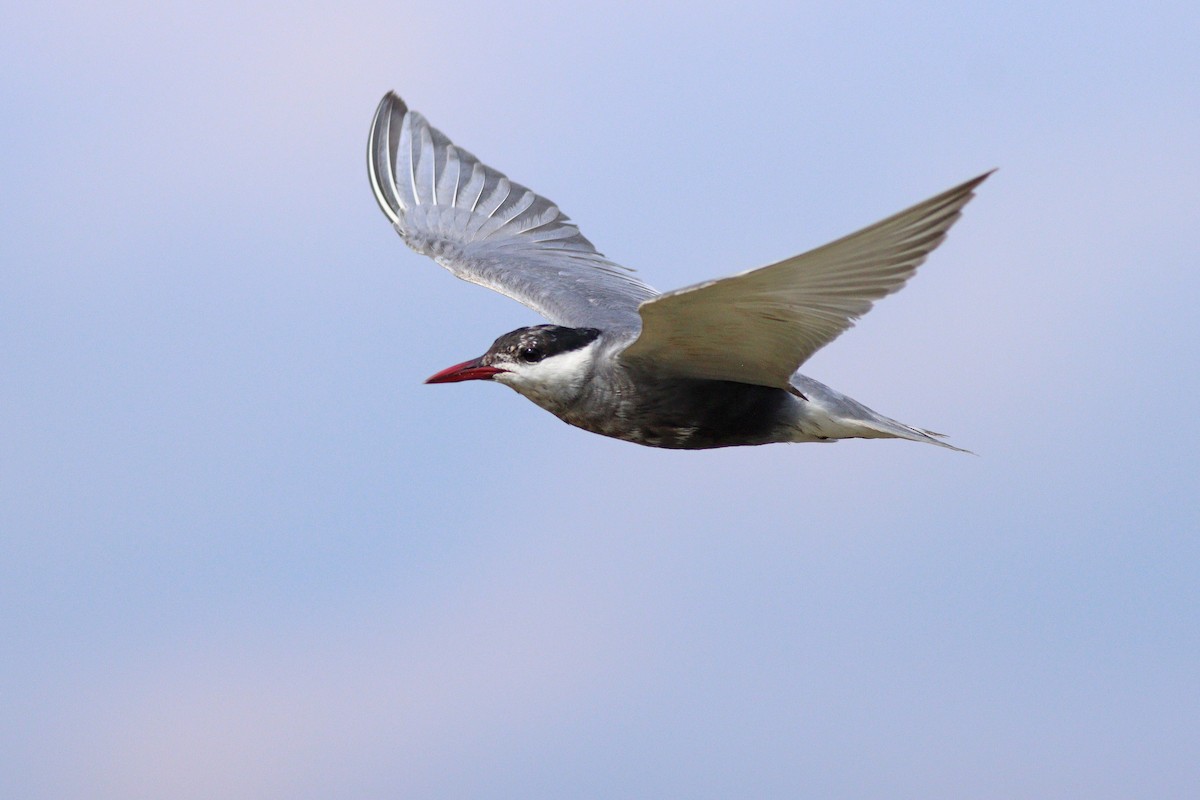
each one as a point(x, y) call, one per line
point(381, 158)
point(433, 178)
point(475, 185)
point(405, 146)
point(423, 168)
point(457, 175)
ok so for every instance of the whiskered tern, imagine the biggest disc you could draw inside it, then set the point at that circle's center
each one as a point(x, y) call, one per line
point(710, 365)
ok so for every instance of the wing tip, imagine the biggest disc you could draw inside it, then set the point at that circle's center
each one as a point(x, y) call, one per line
point(967, 188)
point(392, 103)
point(385, 126)
point(970, 186)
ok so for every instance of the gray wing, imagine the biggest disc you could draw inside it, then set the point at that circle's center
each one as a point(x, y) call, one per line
point(491, 231)
point(760, 326)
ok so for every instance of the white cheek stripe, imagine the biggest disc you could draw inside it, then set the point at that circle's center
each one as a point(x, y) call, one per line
point(557, 376)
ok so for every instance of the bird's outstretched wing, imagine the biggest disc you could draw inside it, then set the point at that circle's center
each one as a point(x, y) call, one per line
point(760, 326)
point(486, 229)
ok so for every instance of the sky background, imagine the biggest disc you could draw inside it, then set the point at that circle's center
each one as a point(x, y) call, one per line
point(246, 553)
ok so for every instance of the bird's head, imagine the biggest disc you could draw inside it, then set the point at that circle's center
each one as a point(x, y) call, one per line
point(546, 363)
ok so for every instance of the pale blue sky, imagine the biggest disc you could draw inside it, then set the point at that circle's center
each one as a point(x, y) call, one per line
point(246, 553)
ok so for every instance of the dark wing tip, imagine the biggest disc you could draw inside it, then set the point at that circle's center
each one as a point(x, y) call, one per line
point(976, 181)
point(969, 186)
point(392, 102)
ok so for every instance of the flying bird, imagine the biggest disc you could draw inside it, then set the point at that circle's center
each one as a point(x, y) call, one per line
point(710, 365)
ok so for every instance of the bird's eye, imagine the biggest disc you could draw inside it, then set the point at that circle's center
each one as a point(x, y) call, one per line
point(530, 354)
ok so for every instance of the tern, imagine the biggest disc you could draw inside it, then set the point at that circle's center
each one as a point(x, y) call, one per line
point(710, 365)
